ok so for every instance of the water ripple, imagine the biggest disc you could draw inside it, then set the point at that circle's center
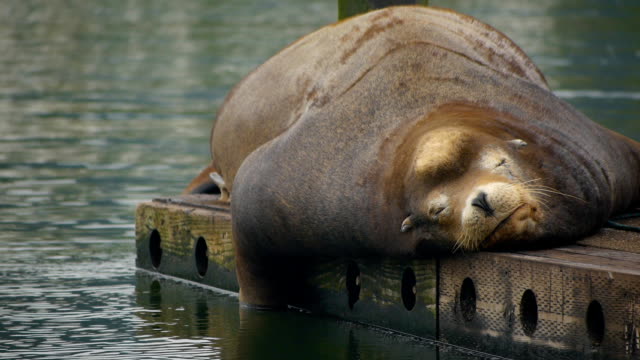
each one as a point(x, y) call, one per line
point(597, 94)
point(107, 104)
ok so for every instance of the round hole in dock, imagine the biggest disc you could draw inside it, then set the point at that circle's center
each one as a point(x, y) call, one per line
point(155, 251)
point(408, 288)
point(468, 299)
point(529, 312)
point(202, 260)
point(353, 283)
point(595, 323)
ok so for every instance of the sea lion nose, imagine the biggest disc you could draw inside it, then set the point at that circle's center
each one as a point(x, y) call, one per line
point(481, 202)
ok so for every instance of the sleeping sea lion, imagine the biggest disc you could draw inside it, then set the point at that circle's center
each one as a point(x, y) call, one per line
point(408, 131)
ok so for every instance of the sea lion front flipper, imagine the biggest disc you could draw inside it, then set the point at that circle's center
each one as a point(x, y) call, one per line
point(208, 181)
point(202, 183)
point(219, 181)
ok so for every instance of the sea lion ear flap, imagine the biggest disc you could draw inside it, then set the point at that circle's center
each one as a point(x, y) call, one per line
point(517, 143)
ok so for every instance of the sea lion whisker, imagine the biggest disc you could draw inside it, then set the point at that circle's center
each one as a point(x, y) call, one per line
point(458, 238)
point(531, 188)
point(530, 181)
point(462, 241)
point(469, 241)
point(548, 189)
point(475, 245)
point(545, 187)
point(547, 194)
point(459, 242)
point(537, 192)
point(539, 196)
point(527, 183)
point(511, 186)
point(538, 187)
point(544, 203)
point(456, 246)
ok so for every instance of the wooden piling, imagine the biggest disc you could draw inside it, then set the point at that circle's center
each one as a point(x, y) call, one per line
point(348, 8)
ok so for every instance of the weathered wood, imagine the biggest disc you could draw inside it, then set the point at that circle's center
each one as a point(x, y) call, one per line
point(379, 299)
point(614, 260)
point(628, 241)
point(587, 296)
point(565, 283)
point(179, 225)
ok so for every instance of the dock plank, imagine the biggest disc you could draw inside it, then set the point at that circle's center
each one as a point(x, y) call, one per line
point(572, 302)
point(608, 238)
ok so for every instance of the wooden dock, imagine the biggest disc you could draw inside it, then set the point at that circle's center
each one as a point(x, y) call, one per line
point(575, 302)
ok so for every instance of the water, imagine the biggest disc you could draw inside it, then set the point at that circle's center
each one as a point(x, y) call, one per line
point(106, 104)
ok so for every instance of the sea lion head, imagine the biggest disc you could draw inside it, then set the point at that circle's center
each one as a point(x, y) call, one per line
point(471, 186)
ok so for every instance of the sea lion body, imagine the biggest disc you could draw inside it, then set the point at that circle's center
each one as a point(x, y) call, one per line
point(407, 131)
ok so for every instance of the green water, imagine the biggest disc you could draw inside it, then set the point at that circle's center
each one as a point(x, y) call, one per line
point(104, 104)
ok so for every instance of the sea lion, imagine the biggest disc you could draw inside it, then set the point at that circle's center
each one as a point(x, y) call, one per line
point(408, 131)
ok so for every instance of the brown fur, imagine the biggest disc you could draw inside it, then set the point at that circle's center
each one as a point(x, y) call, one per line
point(319, 148)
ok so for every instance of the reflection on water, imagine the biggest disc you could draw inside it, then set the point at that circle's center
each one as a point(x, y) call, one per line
point(231, 332)
point(106, 104)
